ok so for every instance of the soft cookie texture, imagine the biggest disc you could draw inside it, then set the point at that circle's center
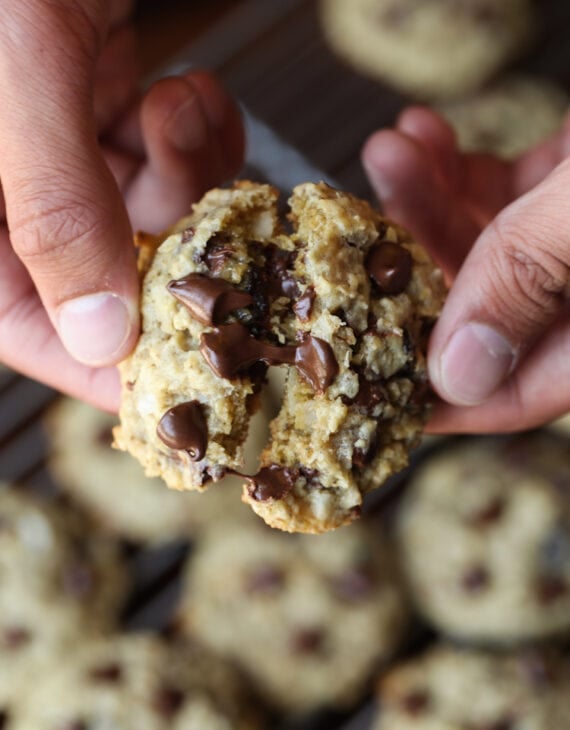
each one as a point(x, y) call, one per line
point(428, 48)
point(344, 301)
point(307, 618)
point(451, 689)
point(113, 487)
point(135, 683)
point(485, 539)
point(509, 116)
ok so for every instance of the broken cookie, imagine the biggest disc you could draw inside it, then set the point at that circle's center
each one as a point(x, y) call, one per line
point(339, 296)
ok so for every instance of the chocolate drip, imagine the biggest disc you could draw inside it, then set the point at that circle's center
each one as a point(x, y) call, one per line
point(208, 300)
point(185, 427)
point(231, 349)
point(390, 266)
point(272, 482)
point(303, 307)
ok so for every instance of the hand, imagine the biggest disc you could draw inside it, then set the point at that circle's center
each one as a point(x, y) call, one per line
point(80, 153)
point(499, 355)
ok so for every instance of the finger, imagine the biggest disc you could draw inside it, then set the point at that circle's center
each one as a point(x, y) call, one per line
point(511, 288)
point(414, 194)
point(438, 140)
point(191, 146)
point(116, 78)
point(538, 393)
point(536, 164)
point(30, 345)
point(67, 220)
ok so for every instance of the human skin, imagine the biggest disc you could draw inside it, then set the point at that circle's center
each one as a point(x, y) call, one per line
point(85, 158)
point(499, 355)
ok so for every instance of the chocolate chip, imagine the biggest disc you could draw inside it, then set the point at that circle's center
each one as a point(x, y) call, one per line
point(355, 584)
point(185, 427)
point(279, 279)
point(78, 579)
point(105, 436)
point(73, 725)
point(550, 588)
point(111, 673)
point(308, 641)
point(390, 267)
point(361, 458)
point(315, 360)
point(218, 251)
point(370, 393)
point(535, 670)
point(476, 579)
point(188, 234)
point(416, 702)
point(303, 307)
point(168, 701)
point(208, 300)
point(272, 482)
point(265, 579)
point(15, 637)
point(489, 514)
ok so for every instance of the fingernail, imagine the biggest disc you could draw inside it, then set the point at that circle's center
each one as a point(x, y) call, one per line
point(382, 185)
point(187, 129)
point(94, 328)
point(476, 360)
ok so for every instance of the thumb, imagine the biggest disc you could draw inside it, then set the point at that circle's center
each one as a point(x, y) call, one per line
point(510, 290)
point(66, 217)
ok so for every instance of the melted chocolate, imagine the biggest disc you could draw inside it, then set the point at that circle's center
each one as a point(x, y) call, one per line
point(280, 281)
point(303, 307)
point(185, 427)
point(231, 349)
point(218, 252)
point(208, 300)
point(389, 266)
point(272, 482)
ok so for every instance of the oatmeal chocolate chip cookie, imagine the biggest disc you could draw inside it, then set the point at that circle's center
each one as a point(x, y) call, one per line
point(307, 618)
point(451, 689)
point(345, 301)
point(56, 583)
point(428, 48)
point(113, 487)
point(508, 117)
point(485, 539)
point(135, 683)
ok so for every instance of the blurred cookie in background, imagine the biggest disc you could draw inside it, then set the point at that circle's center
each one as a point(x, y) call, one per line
point(452, 689)
point(484, 535)
point(113, 487)
point(508, 117)
point(58, 581)
point(428, 48)
point(136, 682)
point(307, 618)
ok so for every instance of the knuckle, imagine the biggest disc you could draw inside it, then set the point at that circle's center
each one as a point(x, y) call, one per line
point(529, 268)
point(58, 232)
